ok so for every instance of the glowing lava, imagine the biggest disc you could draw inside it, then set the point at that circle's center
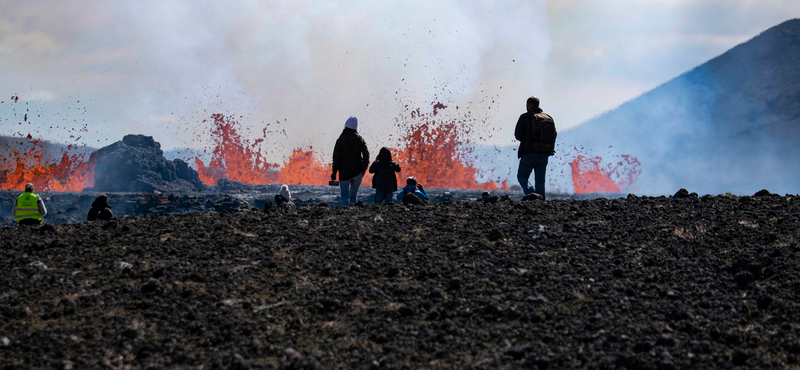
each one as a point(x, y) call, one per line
point(233, 157)
point(437, 153)
point(26, 162)
point(591, 175)
point(433, 151)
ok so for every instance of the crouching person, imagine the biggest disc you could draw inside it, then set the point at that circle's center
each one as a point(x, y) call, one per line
point(284, 197)
point(100, 209)
point(413, 192)
point(385, 180)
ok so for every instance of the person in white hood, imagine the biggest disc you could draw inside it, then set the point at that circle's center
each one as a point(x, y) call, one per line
point(284, 197)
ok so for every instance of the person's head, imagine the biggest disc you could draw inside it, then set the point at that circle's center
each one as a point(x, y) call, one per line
point(352, 123)
point(411, 181)
point(484, 194)
point(102, 199)
point(533, 102)
point(385, 154)
point(285, 192)
point(29, 188)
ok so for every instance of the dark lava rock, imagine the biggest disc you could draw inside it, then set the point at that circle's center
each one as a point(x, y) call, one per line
point(517, 352)
point(410, 199)
point(137, 164)
point(683, 193)
point(393, 272)
point(739, 357)
point(490, 199)
point(495, 235)
point(405, 311)
point(533, 196)
point(743, 278)
point(239, 289)
point(764, 301)
point(762, 193)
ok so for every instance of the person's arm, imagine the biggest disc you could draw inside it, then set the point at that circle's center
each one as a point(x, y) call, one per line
point(372, 167)
point(42, 209)
point(519, 131)
point(364, 155)
point(337, 158)
point(14, 210)
point(395, 166)
point(422, 194)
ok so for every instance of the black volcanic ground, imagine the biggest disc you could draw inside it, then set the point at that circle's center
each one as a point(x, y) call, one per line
point(650, 283)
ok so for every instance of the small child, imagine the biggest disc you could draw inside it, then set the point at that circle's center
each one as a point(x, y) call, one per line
point(385, 181)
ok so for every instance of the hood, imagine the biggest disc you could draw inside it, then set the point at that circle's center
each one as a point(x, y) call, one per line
point(99, 203)
point(385, 154)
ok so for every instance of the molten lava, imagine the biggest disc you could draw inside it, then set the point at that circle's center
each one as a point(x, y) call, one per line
point(233, 157)
point(26, 162)
point(436, 152)
point(591, 175)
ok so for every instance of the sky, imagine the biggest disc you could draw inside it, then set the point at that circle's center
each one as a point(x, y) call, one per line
point(301, 68)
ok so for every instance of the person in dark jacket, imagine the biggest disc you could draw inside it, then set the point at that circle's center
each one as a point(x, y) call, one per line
point(350, 160)
point(385, 181)
point(415, 188)
point(530, 159)
point(100, 209)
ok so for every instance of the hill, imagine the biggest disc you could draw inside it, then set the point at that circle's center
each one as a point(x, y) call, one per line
point(731, 124)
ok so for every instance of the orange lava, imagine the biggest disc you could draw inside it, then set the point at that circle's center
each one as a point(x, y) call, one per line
point(303, 168)
point(437, 152)
point(433, 151)
point(233, 157)
point(591, 175)
point(25, 162)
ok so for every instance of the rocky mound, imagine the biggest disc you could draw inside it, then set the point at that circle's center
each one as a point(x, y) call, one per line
point(137, 164)
point(637, 283)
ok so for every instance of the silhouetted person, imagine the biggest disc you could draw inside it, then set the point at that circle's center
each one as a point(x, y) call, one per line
point(350, 160)
point(385, 181)
point(413, 188)
point(29, 208)
point(536, 132)
point(100, 209)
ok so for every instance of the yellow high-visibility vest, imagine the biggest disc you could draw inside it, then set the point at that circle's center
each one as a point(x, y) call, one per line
point(27, 207)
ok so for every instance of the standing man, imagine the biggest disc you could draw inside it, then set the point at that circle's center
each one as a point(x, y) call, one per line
point(350, 160)
point(536, 132)
point(29, 208)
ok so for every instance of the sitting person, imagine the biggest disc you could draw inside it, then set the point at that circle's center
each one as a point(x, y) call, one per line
point(284, 197)
point(100, 209)
point(414, 188)
point(385, 180)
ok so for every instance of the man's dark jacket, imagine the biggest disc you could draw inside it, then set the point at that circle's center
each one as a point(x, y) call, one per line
point(100, 211)
point(524, 133)
point(350, 155)
point(384, 169)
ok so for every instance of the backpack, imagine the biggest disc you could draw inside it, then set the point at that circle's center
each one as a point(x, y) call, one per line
point(543, 125)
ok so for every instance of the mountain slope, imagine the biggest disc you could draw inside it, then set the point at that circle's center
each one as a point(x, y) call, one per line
point(731, 124)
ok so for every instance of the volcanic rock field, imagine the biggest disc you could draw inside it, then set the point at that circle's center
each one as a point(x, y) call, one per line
point(629, 283)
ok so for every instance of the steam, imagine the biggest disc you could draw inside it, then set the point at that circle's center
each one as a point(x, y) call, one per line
point(160, 68)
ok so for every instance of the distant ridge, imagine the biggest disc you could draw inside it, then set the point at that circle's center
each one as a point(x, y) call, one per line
point(731, 124)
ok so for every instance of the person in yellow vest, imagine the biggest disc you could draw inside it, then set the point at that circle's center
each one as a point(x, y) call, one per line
point(29, 208)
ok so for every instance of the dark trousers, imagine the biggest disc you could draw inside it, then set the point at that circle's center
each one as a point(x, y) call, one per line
point(29, 222)
point(383, 196)
point(536, 163)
